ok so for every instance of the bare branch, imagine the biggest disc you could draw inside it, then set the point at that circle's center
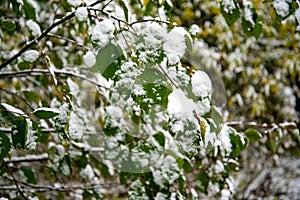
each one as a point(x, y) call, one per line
point(37, 72)
point(28, 158)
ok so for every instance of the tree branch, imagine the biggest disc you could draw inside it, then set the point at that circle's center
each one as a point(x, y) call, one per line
point(44, 34)
point(37, 72)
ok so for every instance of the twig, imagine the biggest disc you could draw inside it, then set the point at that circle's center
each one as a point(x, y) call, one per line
point(18, 96)
point(40, 37)
point(37, 72)
point(28, 158)
point(165, 73)
point(68, 40)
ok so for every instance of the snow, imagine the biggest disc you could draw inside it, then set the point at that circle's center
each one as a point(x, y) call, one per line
point(87, 173)
point(166, 172)
point(114, 112)
point(194, 29)
point(248, 15)
point(179, 105)
point(33, 27)
point(225, 138)
point(76, 127)
point(175, 45)
point(138, 90)
point(281, 7)
point(54, 110)
point(31, 55)
point(74, 3)
point(102, 33)
point(297, 16)
point(89, 59)
point(225, 194)
point(228, 5)
point(13, 110)
point(74, 88)
point(81, 13)
point(31, 136)
point(161, 196)
point(201, 84)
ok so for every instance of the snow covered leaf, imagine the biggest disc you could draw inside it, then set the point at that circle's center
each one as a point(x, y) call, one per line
point(251, 24)
point(284, 8)
point(81, 13)
point(76, 126)
point(13, 110)
point(34, 28)
point(238, 143)
point(230, 11)
point(45, 113)
point(19, 132)
point(253, 135)
point(106, 60)
point(31, 55)
point(8, 25)
point(27, 175)
point(5, 145)
point(64, 166)
point(156, 88)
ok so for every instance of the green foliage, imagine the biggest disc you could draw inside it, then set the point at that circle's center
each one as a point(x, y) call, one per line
point(125, 110)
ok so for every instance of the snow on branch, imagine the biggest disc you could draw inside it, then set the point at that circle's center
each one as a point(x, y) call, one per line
point(44, 34)
point(37, 72)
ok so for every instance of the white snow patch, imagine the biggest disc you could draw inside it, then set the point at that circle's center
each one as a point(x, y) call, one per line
point(31, 55)
point(103, 32)
point(33, 27)
point(194, 29)
point(228, 5)
point(15, 111)
point(87, 173)
point(81, 13)
point(175, 44)
point(74, 3)
point(248, 15)
point(225, 138)
point(201, 84)
point(76, 126)
point(281, 7)
point(114, 112)
point(89, 59)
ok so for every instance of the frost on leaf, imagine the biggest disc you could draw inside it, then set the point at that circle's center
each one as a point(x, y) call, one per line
point(32, 136)
point(31, 55)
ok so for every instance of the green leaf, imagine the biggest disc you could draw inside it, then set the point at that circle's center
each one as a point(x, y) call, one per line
point(156, 87)
point(19, 132)
point(125, 6)
point(45, 113)
point(8, 25)
point(160, 138)
point(230, 17)
point(238, 143)
point(29, 10)
point(250, 29)
point(107, 60)
point(29, 175)
point(30, 96)
point(253, 135)
point(5, 145)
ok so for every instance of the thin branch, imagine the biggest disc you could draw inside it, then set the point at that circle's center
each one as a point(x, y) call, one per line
point(45, 130)
point(28, 158)
point(18, 96)
point(68, 40)
point(37, 72)
point(165, 73)
point(44, 34)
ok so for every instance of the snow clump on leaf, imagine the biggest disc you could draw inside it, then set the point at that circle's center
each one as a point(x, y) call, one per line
point(33, 27)
point(103, 32)
point(31, 55)
point(81, 13)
